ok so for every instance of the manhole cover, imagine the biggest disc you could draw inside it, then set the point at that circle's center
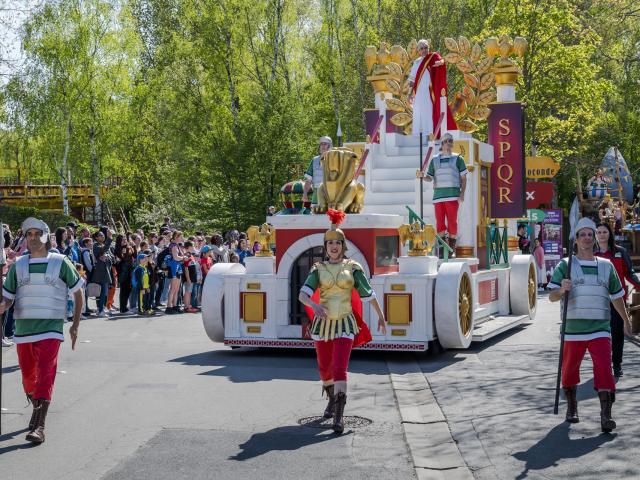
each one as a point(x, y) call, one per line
point(350, 421)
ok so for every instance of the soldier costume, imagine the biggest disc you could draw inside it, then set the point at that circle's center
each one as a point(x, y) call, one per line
point(39, 287)
point(339, 288)
point(594, 285)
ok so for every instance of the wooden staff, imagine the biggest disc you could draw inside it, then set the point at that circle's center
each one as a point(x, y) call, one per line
point(573, 218)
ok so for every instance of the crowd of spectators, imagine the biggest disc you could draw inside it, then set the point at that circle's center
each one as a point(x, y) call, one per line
point(136, 273)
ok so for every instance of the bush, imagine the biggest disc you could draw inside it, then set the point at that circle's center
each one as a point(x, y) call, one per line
point(14, 216)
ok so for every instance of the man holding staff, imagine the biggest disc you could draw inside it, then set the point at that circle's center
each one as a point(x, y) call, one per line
point(39, 283)
point(592, 285)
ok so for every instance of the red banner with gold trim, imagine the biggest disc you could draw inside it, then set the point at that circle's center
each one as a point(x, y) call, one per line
point(506, 134)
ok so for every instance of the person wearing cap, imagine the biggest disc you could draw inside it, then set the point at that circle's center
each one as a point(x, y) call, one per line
point(337, 324)
point(38, 283)
point(313, 177)
point(448, 172)
point(593, 285)
point(206, 261)
point(140, 283)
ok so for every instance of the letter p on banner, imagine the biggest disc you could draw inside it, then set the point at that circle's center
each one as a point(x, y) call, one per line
point(506, 134)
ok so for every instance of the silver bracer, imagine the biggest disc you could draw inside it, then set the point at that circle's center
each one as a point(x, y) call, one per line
point(446, 174)
point(318, 176)
point(589, 297)
point(40, 295)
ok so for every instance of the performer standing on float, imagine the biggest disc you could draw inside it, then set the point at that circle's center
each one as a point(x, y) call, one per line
point(448, 171)
point(337, 315)
point(313, 176)
point(428, 78)
point(607, 248)
point(592, 287)
point(39, 283)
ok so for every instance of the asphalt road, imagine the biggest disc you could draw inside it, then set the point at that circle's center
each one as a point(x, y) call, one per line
point(154, 398)
point(498, 400)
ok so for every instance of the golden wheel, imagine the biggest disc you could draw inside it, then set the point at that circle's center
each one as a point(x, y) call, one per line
point(533, 287)
point(523, 286)
point(465, 305)
point(454, 305)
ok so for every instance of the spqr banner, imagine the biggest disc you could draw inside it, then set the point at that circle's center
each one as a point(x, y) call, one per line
point(506, 134)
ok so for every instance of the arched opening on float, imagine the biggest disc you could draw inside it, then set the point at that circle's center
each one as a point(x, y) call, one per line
point(299, 272)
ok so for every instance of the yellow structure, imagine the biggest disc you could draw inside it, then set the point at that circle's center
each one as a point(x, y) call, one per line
point(265, 235)
point(48, 196)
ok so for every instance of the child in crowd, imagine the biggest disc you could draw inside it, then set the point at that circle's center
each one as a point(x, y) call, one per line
point(70, 302)
point(189, 276)
point(206, 261)
point(141, 285)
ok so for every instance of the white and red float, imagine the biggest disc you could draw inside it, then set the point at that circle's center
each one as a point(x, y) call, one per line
point(482, 292)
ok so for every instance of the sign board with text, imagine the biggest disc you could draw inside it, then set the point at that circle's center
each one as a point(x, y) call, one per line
point(539, 193)
point(506, 134)
point(541, 167)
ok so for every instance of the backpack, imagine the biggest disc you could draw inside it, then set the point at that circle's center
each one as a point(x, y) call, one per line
point(134, 277)
point(162, 258)
point(84, 265)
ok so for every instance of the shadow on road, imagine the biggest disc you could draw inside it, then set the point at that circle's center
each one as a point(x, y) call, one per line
point(12, 435)
point(251, 365)
point(557, 446)
point(291, 437)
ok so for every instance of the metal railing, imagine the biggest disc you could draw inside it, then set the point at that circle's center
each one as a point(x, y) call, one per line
point(497, 246)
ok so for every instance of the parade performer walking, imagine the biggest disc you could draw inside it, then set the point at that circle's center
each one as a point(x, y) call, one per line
point(428, 80)
point(332, 294)
point(607, 248)
point(448, 172)
point(39, 283)
point(313, 176)
point(592, 285)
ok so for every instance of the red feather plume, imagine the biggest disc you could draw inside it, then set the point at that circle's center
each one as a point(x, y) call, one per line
point(336, 216)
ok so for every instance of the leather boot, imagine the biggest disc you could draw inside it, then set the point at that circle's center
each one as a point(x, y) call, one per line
point(606, 422)
point(572, 404)
point(452, 244)
point(36, 435)
point(341, 400)
point(328, 412)
point(32, 422)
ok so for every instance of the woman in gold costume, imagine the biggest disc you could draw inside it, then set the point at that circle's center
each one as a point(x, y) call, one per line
point(337, 324)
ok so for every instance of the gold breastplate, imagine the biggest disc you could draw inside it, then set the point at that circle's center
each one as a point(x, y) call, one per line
point(336, 284)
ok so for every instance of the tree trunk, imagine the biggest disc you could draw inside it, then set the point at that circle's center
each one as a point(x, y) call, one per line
point(64, 169)
point(96, 175)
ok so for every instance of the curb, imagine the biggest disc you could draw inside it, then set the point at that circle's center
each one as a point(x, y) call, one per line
point(434, 453)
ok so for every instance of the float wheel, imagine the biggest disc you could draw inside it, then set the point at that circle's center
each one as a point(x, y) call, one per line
point(523, 286)
point(213, 299)
point(454, 305)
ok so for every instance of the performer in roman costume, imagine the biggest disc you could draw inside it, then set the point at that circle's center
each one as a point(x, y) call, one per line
point(593, 285)
point(448, 172)
point(428, 78)
point(313, 175)
point(39, 283)
point(332, 294)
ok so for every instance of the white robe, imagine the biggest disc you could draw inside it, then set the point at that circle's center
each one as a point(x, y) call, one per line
point(422, 105)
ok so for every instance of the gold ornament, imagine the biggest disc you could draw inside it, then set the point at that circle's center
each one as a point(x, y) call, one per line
point(265, 235)
point(479, 77)
point(339, 190)
point(422, 238)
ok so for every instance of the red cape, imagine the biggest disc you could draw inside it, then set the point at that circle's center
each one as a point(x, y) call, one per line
point(438, 83)
point(364, 335)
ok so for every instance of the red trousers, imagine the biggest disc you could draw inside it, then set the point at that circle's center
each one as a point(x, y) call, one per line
point(449, 211)
point(600, 351)
point(333, 358)
point(38, 362)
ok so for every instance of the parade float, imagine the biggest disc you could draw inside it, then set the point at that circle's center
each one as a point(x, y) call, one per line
point(428, 291)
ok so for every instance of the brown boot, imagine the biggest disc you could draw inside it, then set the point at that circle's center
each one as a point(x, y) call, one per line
point(40, 407)
point(572, 404)
point(32, 422)
point(606, 401)
point(328, 412)
point(452, 244)
point(341, 400)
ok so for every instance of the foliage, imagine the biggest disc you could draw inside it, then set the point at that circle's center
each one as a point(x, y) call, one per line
point(204, 108)
point(14, 216)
